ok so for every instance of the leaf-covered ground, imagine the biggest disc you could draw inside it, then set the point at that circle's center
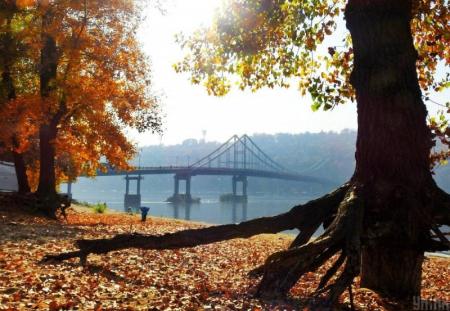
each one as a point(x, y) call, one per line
point(210, 277)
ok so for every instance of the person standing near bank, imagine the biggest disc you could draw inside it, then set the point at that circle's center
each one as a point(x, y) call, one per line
point(144, 212)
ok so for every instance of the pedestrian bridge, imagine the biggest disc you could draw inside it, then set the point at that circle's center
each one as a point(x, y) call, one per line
point(238, 157)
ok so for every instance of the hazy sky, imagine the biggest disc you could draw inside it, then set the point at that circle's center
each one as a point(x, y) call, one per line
point(188, 109)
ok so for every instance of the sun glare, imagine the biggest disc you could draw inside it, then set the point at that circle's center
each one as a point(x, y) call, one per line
point(194, 14)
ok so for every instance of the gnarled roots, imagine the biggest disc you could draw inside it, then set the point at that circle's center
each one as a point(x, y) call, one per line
point(341, 212)
point(283, 269)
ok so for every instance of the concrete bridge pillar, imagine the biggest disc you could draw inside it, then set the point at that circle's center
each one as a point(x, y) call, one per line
point(235, 196)
point(176, 185)
point(188, 187)
point(187, 179)
point(243, 180)
point(177, 196)
point(132, 200)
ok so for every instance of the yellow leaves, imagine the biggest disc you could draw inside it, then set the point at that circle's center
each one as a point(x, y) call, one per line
point(264, 44)
point(33, 174)
point(217, 86)
point(431, 32)
point(282, 40)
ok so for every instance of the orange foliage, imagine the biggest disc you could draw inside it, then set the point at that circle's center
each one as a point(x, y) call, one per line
point(101, 88)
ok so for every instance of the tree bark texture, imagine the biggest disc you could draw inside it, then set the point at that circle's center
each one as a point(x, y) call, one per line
point(21, 172)
point(393, 144)
point(48, 129)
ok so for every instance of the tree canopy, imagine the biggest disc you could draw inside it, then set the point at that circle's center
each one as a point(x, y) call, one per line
point(254, 44)
point(101, 86)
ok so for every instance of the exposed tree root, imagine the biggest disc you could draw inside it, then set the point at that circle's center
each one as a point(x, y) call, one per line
point(352, 250)
point(441, 236)
point(344, 235)
point(332, 271)
point(438, 216)
point(283, 269)
point(302, 238)
point(301, 217)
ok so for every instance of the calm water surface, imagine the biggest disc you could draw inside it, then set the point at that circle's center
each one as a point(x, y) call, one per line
point(210, 210)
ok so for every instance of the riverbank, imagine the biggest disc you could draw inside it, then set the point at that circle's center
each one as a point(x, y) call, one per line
point(205, 277)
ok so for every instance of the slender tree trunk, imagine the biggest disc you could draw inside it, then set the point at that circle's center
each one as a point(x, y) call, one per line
point(393, 145)
point(48, 130)
point(21, 172)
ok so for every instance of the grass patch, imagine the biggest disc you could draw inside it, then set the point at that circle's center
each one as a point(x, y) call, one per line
point(98, 208)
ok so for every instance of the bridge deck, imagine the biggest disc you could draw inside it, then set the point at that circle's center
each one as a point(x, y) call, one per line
point(195, 171)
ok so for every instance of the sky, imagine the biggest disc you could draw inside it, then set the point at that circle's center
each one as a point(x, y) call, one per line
point(188, 110)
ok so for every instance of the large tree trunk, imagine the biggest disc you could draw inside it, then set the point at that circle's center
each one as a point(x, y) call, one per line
point(47, 177)
point(393, 145)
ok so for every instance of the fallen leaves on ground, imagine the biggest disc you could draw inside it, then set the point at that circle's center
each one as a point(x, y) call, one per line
point(209, 277)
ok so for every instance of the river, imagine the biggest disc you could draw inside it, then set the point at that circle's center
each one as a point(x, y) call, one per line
point(209, 210)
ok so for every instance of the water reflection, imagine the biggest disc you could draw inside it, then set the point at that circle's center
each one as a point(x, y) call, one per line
point(236, 207)
point(181, 206)
point(238, 211)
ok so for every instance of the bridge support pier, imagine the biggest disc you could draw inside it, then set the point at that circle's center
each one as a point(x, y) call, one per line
point(179, 197)
point(132, 200)
point(187, 179)
point(235, 197)
point(243, 180)
point(176, 180)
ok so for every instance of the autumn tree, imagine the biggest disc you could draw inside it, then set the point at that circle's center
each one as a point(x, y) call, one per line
point(388, 214)
point(92, 82)
point(12, 54)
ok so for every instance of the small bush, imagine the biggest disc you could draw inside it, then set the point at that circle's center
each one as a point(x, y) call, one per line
point(99, 208)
